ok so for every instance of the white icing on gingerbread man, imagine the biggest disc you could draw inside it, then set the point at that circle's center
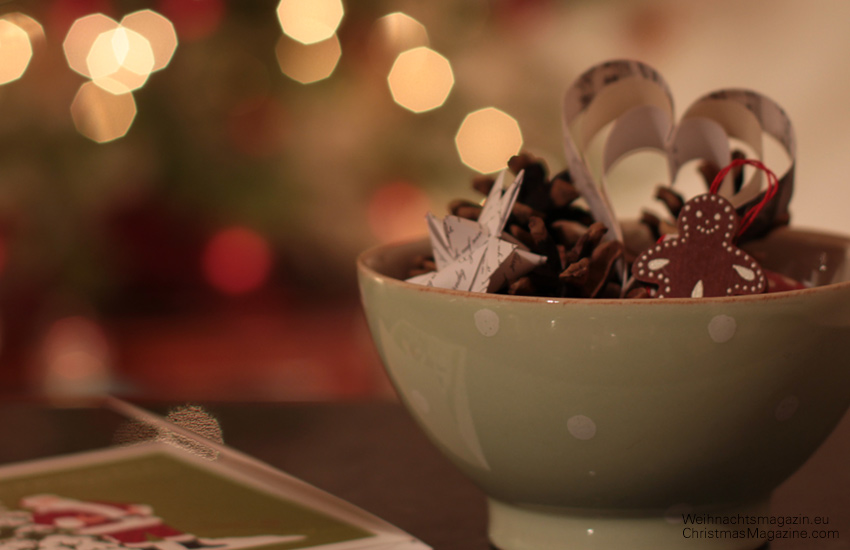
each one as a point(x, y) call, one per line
point(702, 260)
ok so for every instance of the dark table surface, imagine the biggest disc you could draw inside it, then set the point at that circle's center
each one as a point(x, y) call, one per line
point(373, 455)
point(370, 454)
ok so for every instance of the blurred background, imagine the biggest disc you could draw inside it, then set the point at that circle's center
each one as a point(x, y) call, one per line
point(185, 184)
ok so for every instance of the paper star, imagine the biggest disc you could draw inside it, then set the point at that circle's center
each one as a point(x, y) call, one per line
point(479, 256)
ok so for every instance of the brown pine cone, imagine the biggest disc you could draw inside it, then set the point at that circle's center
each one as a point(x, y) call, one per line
point(576, 266)
point(463, 208)
point(671, 199)
point(598, 257)
point(421, 265)
point(544, 218)
point(539, 196)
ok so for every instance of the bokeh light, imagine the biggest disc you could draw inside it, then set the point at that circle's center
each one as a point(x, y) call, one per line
point(487, 139)
point(80, 38)
point(160, 34)
point(119, 57)
point(120, 60)
point(396, 211)
point(100, 115)
point(308, 63)
point(236, 260)
point(76, 358)
point(420, 79)
point(398, 32)
point(15, 51)
point(32, 27)
point(310, 21)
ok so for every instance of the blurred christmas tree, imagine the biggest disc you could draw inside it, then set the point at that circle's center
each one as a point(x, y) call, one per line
point(127, 191)
point(159, 155)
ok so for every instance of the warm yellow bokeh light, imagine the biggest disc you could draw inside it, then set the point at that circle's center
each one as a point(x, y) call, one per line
point(158, 30)
point(120, 57)
point(487, 139)
point(80, 38)
point(32, 27)
point(308, 63)
point(120, 60)
point(15, 51)
point(100, 115)
point(310, 21)
point(398, 32)
point(420, 79)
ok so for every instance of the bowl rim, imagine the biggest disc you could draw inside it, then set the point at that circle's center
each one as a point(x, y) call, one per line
point(365, 270)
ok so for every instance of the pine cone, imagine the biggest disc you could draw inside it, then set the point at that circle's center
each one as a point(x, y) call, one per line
point(421, 265)
point(575, 267)
point(539, 196)
point(544, 218)
point(671, 199)
point(463, 208)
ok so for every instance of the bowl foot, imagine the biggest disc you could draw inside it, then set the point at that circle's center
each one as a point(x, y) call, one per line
point(548, 528)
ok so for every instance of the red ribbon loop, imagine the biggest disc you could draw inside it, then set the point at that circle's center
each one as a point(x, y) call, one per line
point(772, 186)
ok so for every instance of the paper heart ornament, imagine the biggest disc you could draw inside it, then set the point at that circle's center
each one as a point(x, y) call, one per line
point(634, 97)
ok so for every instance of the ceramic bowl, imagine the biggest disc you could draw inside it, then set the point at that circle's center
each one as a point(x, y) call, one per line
point(599, 423)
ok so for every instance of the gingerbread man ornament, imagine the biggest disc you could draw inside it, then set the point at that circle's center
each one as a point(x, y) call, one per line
point(702, 260)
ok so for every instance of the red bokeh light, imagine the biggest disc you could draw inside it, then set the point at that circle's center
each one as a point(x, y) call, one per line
point(237, 260)
point(397, 211)
point(193, 19)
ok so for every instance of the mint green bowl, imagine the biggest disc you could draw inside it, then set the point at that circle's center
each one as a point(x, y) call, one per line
point(598, 423)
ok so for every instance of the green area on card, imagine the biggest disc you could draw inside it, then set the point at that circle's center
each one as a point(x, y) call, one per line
point(187, 497)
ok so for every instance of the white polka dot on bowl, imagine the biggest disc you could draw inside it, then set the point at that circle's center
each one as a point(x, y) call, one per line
point(722, 328)
point(581, 427)
point(487, 322)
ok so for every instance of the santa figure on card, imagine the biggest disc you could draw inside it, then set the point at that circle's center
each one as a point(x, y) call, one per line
point(131, 525)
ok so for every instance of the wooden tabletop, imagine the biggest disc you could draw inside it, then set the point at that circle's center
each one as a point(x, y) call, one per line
point(373, 455)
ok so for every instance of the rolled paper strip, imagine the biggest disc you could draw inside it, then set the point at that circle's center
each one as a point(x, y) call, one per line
point(598, 97)
point(730, 107)
point(636, 99)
